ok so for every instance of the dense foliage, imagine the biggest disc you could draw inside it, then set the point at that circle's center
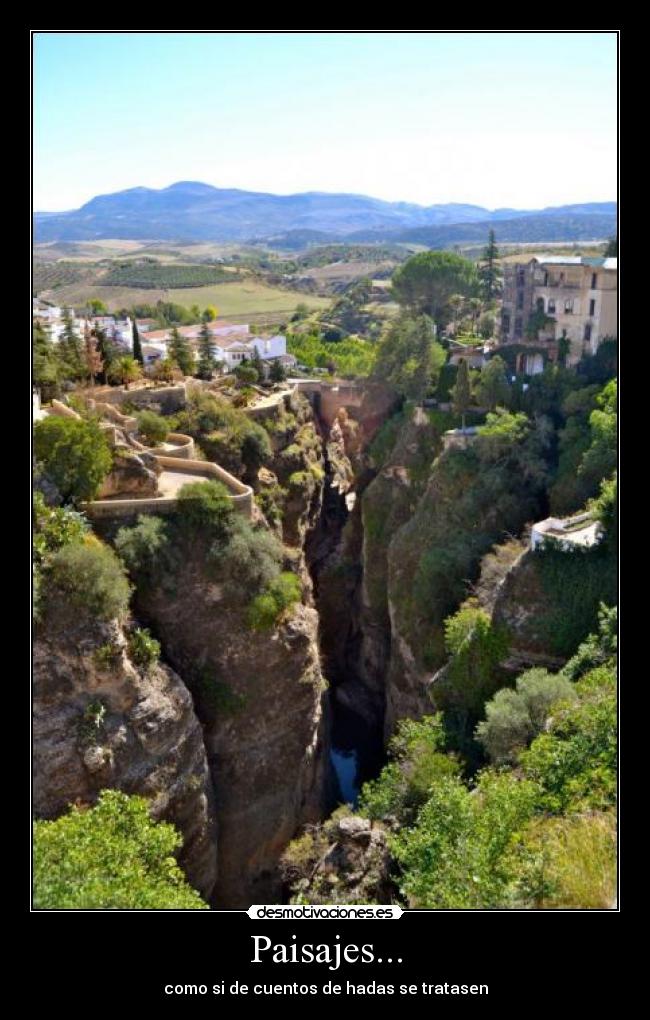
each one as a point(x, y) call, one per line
point(87, 577)
point(425, 283)
point(74, 454)
point(110, 857)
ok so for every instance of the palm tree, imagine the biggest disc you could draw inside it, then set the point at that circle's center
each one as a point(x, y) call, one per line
point(125, 370)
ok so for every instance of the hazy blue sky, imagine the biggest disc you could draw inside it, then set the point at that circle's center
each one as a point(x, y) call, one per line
point(496, 119)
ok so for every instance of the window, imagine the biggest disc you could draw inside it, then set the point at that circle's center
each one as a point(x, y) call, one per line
point(520, 299)
point(568, 306)
point(521, 277)
point(540, 304)
point(594, 280)
point(505, 322)
point(592, 306)
point(588, 331)
point(518, 327)
point(551, 306)
point(546, 279)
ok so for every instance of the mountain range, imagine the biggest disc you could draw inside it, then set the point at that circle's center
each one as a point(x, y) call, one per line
point(192, 211)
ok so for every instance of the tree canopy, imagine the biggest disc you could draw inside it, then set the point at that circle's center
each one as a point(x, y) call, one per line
point(425, 283)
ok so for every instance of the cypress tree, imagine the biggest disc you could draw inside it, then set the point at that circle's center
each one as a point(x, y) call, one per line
point(462, 394)
point(489, 271)
point(207, 351)
point(137, 346)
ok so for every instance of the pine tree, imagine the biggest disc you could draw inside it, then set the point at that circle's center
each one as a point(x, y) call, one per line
point(71, 346)
point(490, 272)
point(181, 352)
point(277, 373)
point(207, 352)
point(462, 393)
point(137, 346)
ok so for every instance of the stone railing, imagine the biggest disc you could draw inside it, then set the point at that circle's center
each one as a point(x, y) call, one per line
point(240, 494)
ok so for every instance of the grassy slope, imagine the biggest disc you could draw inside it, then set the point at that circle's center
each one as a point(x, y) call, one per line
point(232, 299)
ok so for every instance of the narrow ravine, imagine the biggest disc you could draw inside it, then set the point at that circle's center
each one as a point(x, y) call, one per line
point(357, 748)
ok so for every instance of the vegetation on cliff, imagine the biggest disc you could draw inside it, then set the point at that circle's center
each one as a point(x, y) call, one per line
point(110, 857)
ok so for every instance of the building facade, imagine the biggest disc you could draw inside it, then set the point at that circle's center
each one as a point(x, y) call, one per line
point(559, 308)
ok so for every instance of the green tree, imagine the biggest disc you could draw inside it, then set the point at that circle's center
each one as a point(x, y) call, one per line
point(425, 283)
point(125, 370)
point(88, 577)
point(277, 372)
point(210, 313)
point(489, 271)
point(462, 391)
point(611, 251)
point(71, 347)
point(493, 388)
point(137, 346)
point(513, 718)
point(107, 349)
point(110, 857)
point(408, 358)
point(207, 353)
point(75, 455)
point(153, 427)
point(181, 352)
point(96, 307)
point(46, 365)
point(256, 363)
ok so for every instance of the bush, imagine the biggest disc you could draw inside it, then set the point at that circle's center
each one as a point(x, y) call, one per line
point(204, 507)
point(245, 558)
point(111, 857)
point(88, 577)
point(143, 548)
point(280, 594)
point(75, 455)
point(55, 527)
point(143, 648)
point(153, 427)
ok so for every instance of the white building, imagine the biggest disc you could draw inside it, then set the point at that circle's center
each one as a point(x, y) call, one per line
point(568, 533)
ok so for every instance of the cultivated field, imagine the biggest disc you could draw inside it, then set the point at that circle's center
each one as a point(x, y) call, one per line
point(251, 300)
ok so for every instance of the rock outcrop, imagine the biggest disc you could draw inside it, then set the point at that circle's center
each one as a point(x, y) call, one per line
point(132, 474)
point(101, 721)
point(260, 697)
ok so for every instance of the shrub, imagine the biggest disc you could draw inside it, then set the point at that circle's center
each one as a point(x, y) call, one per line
point(244, 557)
point(111, 857)
point(88, 577)
point(143, 547)
point(575, 763)
point(568, 863)
point(143, 648)
point(265, 610)
point(75, 455)
point(204, 507)
point(107, 655)
point(55, 527)
point(153, 427)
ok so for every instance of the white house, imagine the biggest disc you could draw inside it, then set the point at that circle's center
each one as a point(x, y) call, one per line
point(569, 532)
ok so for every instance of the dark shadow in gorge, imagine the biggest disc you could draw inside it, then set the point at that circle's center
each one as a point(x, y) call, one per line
point(334, 559)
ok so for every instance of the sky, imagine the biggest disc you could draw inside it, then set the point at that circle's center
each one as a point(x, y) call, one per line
point(523, 120)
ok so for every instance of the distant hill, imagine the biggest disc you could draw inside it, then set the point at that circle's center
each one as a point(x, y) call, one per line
point(192, 211)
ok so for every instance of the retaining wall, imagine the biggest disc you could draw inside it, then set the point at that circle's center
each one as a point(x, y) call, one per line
point(240, 494)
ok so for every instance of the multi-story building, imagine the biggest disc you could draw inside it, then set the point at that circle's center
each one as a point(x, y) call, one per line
point(558, 306)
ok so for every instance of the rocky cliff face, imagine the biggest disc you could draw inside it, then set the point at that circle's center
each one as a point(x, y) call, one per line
point(260, 697)
point(100, 721)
